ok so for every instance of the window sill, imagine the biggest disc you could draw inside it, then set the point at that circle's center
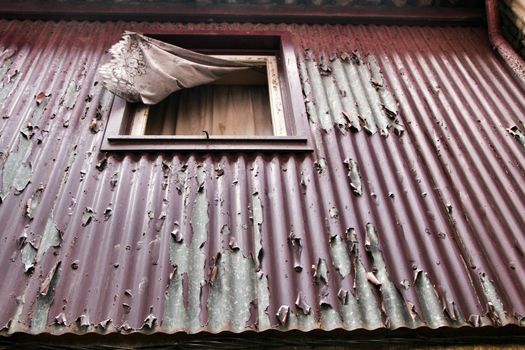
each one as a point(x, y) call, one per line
point(203, 143)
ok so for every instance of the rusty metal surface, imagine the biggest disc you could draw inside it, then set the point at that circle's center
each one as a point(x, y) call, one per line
point(409, 212)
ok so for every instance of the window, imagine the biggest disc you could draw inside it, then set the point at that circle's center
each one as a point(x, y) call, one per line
point(214, 109)
point(260, 108)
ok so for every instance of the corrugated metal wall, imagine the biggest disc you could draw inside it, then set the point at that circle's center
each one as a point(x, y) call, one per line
point(408, 213)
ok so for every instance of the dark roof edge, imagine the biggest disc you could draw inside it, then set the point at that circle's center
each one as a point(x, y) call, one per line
point(34, 9)
point(423, 336)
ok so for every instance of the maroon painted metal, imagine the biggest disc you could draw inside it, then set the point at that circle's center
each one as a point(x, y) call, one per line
point(271, 12)
point(409, 212)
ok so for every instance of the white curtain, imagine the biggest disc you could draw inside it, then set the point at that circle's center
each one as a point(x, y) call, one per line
point(146, 70)
point(216, 109)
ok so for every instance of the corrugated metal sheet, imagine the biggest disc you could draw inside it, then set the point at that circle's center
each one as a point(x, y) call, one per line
point(374, 229)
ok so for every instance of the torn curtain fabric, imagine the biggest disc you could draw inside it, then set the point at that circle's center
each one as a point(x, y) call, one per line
point(146, 70)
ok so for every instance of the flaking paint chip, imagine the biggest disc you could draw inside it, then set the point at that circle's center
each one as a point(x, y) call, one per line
point(334, 213)
point(297, 249)
point(149, 322)
point(320, 165)
point(405, 283)
point(83, 321)
point(371, 277)
point(104, 324)
point(102, 163)
point(46, 285)
point(356, 57)
point(177, 236)
point(87, 216)
point(125, 327)
point(12, 75)
point(39, 98)
point(253, 320)
point(93, 126)
point(354, 176)
point(375, 83)
point(324, 297)
point(114, 180)
point(343, 296)
point(219, 172)
point(107, 213)
point(233, 243)
point(60, 319)
point(282, 314)
point(325, 69)
point(518, 134)
point(475, 320)
point(301, 304)
point(29, 253)
point(320, 271)
point(308, 55)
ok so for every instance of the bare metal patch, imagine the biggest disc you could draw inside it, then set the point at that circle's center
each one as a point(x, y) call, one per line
point(33, 202)
point(17, 171)
point(349, 93)
point(28, 256)
point(233, 289)
point(183, 297)
point(51, 237)
point(354, 176)
point(495, 308)
point(45, 299)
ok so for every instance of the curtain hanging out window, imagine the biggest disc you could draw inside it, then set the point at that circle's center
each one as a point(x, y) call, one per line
point(146, 70)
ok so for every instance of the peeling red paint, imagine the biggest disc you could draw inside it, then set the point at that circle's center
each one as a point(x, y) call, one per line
point(445, 197)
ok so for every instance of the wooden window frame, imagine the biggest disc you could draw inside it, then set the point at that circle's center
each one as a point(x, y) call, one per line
point(139, 120)
point(275, 43)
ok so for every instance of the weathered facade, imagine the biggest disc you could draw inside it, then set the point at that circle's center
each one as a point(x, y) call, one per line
point(407, 213)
